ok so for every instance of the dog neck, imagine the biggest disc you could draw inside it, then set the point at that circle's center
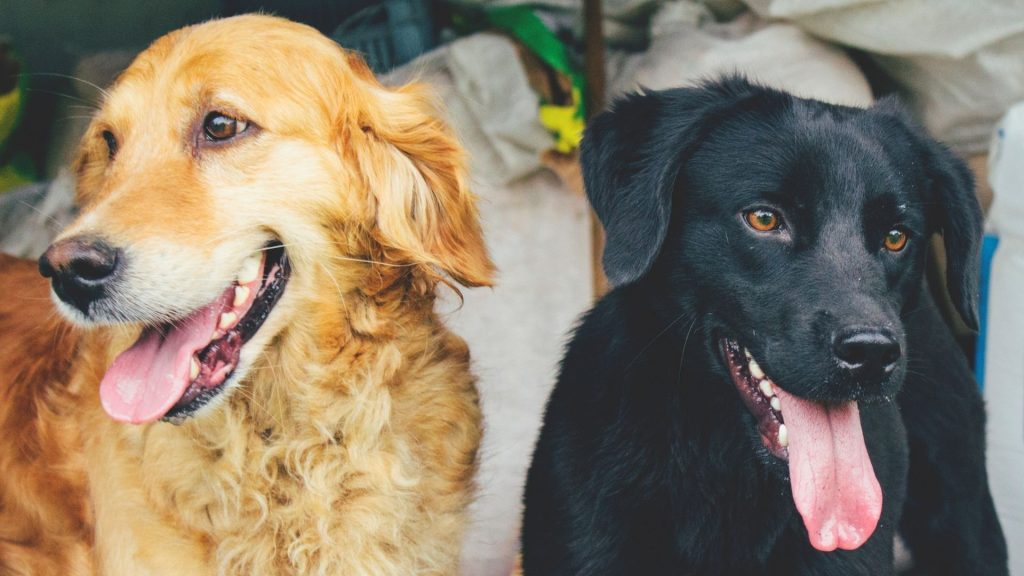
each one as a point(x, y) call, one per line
point(334, 406)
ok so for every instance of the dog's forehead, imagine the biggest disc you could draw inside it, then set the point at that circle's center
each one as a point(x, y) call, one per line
point(250, 60)
point(809, 151)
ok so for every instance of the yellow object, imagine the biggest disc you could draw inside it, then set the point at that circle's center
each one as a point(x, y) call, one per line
point(10, 105)
point(18, 169)
point(565, 122)
point(11, 177)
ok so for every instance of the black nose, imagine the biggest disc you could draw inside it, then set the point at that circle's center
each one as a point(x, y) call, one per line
point(81, 269)
point(867, 350)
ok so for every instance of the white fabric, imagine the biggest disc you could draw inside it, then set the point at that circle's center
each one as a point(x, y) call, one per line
point(951, 28)
point(780, 55)
point(481, 83)
point(1004, 342)
point(539, 236)
point(960, 64)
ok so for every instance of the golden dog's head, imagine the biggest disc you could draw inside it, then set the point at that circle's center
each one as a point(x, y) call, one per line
point(236, 171)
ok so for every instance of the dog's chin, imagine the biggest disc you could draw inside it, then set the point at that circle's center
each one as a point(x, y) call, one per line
point(179, 369)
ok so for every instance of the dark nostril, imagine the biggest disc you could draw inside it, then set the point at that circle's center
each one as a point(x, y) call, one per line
point(94, 263)
point(866, 348)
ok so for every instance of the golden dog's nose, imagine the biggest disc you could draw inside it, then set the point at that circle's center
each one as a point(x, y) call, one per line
point(80, 269)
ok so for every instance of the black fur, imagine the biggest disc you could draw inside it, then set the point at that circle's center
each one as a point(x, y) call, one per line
point(648, 462)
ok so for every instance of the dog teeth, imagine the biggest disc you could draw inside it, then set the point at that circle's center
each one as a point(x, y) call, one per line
point(766, 388)
point(783, 436)
point(227, 320)
point(193, 371)
point(241, 295)
point(250, 270)
point(776, 404)
point(755, 370)
point(747, 354)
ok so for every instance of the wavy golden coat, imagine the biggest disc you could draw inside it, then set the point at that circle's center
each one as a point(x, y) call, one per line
point(350, 445)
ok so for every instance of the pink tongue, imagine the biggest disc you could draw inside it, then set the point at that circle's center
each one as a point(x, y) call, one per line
point(146, 380)
point(833, 482)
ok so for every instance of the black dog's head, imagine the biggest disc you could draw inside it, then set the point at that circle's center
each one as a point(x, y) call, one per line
point(796, 231)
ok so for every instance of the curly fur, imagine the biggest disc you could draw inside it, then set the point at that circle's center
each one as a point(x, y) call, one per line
point(350, 445)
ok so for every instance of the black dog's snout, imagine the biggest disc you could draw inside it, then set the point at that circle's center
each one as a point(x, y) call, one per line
point(866, 349)
point(80, 269)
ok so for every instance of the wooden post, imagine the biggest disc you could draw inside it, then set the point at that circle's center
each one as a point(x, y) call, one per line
point(593, 39)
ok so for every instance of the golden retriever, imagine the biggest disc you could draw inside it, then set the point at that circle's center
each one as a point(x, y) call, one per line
point(253, 379)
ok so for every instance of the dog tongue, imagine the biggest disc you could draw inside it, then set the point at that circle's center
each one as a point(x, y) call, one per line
point(148, 379)
point(833, 482)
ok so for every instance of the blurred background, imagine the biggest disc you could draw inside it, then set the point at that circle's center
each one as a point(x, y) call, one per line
point(519, 80)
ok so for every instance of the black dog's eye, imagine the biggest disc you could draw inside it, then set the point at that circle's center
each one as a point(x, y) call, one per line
point(218, 127)
point(763, 220)
point(108, 136)
point(895, 240)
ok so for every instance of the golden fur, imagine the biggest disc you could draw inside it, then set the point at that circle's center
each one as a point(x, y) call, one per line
point(350, 445)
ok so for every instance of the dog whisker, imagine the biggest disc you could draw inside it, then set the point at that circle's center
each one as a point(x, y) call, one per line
point(100, 89)
point(47, 219)
point(337, 287)
point(60, 94)
point(653, 340)
point(682, 354)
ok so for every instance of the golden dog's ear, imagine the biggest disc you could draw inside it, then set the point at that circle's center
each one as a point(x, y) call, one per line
point(415, 169)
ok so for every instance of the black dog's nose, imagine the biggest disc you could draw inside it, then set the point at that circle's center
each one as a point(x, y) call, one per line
point(866, 349)
point(80, 269)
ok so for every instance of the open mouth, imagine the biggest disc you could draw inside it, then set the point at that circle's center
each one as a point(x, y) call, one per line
point(176, 368)
point(760, 395)
point(833, 481)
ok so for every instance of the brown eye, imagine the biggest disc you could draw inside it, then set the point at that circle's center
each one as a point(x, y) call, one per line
point(895, 240)
point(763, 220)
point(217, 127)
point(111, 141)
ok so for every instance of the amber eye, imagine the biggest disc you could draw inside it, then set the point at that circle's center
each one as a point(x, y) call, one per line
point(217, 127)
point(895, 240)
point(108, 136)
point(763, 220)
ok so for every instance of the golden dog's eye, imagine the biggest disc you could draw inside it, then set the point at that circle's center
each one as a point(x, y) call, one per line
point(111, 140)
point(895, 240)
point(763, 220)
point(217, 127)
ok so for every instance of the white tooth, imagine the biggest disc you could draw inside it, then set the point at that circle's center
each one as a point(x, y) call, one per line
point(783, 436)
point(776, 404)
point(747, 354)
point(241, 295)
point(250, 270)
point(193, 372)
point(766, 388)
point(755, 370)
point(227, 320)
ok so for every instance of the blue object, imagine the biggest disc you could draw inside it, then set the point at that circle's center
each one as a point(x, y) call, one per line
point(988, 250)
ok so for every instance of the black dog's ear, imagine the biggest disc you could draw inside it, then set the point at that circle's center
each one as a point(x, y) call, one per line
point(631, 157)
point(961, 228)
point(955, 210)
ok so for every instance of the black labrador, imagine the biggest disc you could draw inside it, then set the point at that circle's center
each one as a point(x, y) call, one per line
point(769, 388)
